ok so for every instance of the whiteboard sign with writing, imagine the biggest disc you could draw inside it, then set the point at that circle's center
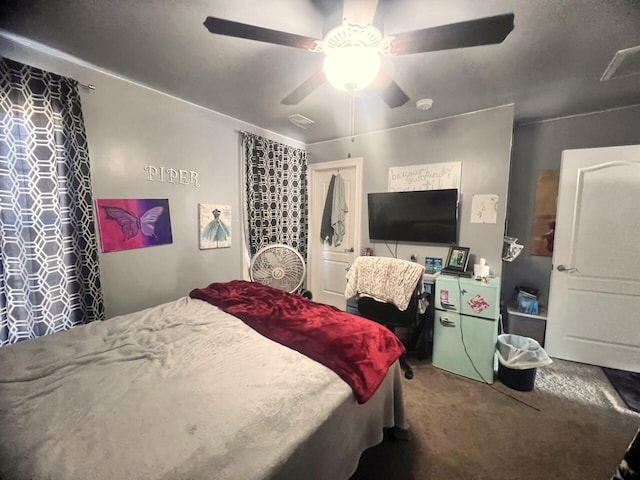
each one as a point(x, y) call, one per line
point(429, 176)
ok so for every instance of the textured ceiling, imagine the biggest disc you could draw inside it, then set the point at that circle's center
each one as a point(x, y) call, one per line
point(548, 67)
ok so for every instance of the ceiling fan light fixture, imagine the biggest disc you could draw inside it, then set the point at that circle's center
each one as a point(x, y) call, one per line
point(351, 71)
point(352, 68)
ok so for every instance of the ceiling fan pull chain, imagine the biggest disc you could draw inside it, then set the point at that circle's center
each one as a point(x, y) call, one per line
point(352, 116)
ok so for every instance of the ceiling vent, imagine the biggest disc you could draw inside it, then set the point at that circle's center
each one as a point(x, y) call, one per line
point(300, 120)
point(624, 64)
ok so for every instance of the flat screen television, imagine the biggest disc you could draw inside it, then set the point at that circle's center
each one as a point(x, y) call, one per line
point(423, 216)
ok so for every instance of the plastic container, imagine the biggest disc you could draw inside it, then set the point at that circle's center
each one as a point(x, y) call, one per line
point(519, 358)
point(527, 325)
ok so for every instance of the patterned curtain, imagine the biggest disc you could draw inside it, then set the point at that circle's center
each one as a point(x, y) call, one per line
point(49, 277)
point(277, 197)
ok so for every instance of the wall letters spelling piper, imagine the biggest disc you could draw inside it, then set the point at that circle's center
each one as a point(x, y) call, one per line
point(171, 175)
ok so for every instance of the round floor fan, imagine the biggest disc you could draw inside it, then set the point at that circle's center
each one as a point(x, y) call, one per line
point(278, 266)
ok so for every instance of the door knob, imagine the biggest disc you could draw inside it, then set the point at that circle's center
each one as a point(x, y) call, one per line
point(562, 268)
point(349, 250)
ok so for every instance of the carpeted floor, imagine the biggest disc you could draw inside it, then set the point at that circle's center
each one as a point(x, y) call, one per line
point(573, 425)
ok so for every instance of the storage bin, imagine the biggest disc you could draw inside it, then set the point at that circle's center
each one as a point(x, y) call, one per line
point(527, 325)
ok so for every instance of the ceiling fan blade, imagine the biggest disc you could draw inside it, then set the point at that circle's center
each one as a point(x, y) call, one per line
point(308, 86)
point(389, 91)
point(251, 32)
point(483, 31)
point(359, 12)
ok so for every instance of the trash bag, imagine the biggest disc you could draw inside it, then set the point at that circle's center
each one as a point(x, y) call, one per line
point(521, 353)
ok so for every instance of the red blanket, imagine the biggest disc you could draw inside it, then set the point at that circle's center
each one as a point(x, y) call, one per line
point(358, 350)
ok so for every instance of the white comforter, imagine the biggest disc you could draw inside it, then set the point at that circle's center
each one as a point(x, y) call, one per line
point(180, 391)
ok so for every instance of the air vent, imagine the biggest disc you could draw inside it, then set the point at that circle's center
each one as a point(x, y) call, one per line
point(300, 120)
point(624, 64)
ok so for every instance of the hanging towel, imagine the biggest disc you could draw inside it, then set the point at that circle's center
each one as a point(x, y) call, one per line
point(338, 211)
point(326, 232)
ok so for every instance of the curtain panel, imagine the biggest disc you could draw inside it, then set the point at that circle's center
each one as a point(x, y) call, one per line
point(49, 275)
point(277, 200)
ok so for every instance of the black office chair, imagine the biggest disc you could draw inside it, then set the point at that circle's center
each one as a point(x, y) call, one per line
point(391, 317)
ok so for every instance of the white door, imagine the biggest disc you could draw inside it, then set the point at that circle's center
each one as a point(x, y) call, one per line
point(594, 300)
point(328, 264)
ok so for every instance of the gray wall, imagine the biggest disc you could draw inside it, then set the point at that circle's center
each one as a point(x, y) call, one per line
point(130, 126)
point(539, 146)
point(480, 140)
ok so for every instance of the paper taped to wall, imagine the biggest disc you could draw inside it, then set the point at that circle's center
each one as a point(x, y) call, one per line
point(484, 208)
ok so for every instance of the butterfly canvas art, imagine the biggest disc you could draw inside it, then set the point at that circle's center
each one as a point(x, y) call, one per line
point(133, 223)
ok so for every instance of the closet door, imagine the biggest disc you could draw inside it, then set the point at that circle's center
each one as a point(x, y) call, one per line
point(328, 263)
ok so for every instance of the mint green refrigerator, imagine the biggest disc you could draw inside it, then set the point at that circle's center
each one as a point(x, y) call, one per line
point(466, 326)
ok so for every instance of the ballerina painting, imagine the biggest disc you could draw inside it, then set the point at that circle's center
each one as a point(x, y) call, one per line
point(215, 226)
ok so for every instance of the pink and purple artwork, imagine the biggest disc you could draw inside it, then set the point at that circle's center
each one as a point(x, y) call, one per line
point(133, 223)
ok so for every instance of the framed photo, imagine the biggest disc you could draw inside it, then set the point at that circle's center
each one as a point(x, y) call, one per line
point(458, 259)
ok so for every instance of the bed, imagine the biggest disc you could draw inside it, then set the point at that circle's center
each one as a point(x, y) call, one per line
point(189, 390)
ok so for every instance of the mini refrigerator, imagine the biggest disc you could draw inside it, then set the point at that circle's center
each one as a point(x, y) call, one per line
point(466, 326)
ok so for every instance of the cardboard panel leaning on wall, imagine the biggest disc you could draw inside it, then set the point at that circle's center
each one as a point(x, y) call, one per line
point(480, 140)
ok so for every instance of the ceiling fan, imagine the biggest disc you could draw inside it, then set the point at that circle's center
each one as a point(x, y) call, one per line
point(353, 49)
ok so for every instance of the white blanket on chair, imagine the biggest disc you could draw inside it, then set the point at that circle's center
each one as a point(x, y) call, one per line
point(386, 279)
